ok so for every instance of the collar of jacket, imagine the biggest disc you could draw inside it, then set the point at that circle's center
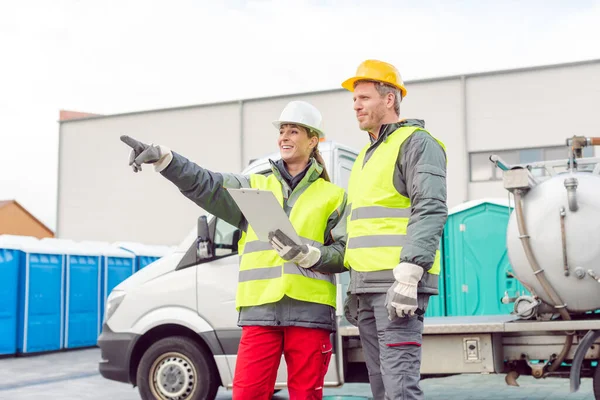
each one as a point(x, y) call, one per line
point(387, 129)
point(310, 174)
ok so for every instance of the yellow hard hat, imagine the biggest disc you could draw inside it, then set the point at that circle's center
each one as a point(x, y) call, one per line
point(376, 70)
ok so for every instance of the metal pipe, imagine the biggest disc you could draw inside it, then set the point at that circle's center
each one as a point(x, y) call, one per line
point(564, 240)
point(571, 186)
point(539, 273)
point(500, 163)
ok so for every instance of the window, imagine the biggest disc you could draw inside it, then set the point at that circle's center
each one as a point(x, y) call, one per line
point(345, 166)
point(482, 169)
point(226, 238)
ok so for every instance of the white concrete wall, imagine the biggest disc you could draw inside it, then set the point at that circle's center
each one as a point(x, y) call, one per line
point(533, 108)
point(101, 198)
point(538, 108)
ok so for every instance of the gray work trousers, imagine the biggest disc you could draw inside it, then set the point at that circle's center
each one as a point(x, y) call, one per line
point(392, 349)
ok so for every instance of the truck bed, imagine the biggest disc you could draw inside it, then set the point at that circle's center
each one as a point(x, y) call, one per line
point(489, 324)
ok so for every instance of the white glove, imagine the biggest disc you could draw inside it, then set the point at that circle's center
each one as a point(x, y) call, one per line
point(401, 299)
point(165, 160)
point(304, 255)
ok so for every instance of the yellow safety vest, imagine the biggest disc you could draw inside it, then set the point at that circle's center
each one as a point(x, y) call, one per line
point(379, 215)
point(265, 277)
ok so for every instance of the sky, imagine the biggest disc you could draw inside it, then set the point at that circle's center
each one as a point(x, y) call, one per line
point(115, 56)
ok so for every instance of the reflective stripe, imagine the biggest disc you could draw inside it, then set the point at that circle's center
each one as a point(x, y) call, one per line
point(257, 245)
point(275, 272)
point(259, 273)
point(291, 268)
point(361, 242)
point(379, 212)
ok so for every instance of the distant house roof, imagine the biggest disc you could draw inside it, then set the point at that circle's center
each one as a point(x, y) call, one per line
point(4, 203)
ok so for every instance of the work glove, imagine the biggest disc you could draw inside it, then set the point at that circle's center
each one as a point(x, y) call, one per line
point(304, 255)
point(142, 153)
point(401, 299)
point(351, 308)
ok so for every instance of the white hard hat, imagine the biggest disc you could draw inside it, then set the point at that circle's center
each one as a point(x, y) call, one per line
point(301, 113)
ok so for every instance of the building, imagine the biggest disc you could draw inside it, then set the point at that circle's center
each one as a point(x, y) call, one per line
point(16, 220)
point(521, 115)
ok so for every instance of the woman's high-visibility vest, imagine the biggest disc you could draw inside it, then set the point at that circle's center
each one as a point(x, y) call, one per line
point(379, 216)
point(265, 277)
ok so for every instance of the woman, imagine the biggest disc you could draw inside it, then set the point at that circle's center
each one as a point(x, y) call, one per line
point(286, 292)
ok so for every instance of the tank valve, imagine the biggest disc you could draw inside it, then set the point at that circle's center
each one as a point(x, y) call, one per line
point(579, 273)
point(571, 185)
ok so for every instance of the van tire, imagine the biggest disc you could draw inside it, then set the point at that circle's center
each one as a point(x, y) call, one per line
point(187, 369)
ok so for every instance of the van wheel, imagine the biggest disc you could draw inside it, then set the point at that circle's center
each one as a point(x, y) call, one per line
point(177, 368)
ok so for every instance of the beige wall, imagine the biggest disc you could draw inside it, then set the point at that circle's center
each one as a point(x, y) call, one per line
point(532, 108)
point(101, 198)
point(15, 221)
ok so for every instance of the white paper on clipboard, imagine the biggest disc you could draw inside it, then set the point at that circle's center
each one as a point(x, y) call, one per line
point(264, 213)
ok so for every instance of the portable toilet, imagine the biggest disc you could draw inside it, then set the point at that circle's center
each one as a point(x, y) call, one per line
point(82, 294)
point(41, 298)
point(437, 303)
point(145, 254)
point(12, 261)
point(478, 273)
point(117, 265)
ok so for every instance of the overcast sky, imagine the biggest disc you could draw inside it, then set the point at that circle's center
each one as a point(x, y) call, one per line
point(116, 56)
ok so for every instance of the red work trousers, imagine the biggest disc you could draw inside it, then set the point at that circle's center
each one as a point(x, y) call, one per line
point(307, 354)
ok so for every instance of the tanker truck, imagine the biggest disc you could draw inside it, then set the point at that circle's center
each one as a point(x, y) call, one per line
point(553, 245)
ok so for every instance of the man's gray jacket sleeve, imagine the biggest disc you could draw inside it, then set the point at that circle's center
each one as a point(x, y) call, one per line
point(207, 189)
point(423, 170)
point(332, 253)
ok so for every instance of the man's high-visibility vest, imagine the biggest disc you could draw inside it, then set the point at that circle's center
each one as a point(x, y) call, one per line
point(379, 216)
point(265, 277)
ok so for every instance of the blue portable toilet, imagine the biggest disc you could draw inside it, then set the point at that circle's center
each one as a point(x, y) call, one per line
point(117, 265)
point(12, 261)
point(41, 298)
point(478, 273)
point(82, 280)
point(145, 254)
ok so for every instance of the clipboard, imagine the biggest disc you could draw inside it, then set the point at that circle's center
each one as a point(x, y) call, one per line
point(264, 213)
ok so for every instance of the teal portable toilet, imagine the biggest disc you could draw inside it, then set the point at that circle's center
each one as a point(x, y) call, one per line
point(437, 303)
point(477, 270)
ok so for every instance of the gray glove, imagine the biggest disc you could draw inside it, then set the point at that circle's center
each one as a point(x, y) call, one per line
point(304, 255)
point(142, 153)
point(351, 308)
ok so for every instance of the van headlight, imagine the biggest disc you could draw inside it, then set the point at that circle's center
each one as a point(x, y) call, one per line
point(112, 303)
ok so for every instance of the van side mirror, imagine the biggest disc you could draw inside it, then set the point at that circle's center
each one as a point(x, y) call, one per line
point(205, 245)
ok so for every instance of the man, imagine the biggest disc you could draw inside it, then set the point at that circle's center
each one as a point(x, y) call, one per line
point(397, 212)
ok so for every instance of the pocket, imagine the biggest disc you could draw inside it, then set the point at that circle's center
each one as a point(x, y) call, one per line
point(326, 352)
point(384, 276)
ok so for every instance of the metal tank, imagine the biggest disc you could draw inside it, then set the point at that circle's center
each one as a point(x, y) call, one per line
point(553, 235)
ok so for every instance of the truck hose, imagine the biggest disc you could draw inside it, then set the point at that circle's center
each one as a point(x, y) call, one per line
point(539, 273)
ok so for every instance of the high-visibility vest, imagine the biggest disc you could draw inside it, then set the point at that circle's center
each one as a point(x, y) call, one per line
point(379, 215)
point(265, 277)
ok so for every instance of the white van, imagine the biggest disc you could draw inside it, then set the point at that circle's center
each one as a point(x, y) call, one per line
point(171, 328)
